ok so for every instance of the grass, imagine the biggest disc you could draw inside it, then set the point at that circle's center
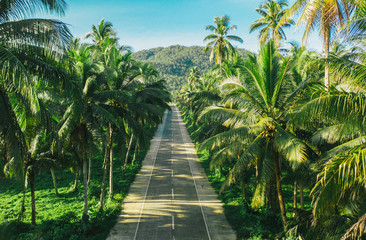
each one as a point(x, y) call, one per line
point(59, 216)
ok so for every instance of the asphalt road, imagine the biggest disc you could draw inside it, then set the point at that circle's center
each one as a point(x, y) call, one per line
point(171, 197)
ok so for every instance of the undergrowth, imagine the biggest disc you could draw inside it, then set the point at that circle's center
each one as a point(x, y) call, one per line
point(248, 223)
point(59, 216)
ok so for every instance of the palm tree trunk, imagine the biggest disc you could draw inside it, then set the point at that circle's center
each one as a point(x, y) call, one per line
point(22, 210)
point(75, 189)
point(326, 52)
point(85, 217)
point(54, 181)
point(242, 187)
point(105, 172)
point(272, 199)
point(295, 198)
point(302, 196)
point(90, 167)
point(31, 183)
point(110, 161)
point(127, 153)
point(279, 193)
point(135, 153)
point(275, 40)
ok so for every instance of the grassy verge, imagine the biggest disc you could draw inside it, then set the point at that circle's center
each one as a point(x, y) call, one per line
point(59, 216)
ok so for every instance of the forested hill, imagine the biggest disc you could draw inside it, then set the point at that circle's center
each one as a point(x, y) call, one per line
point(173, 62)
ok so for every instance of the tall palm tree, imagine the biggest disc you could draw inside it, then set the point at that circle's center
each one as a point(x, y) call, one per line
point(340, 181)
point(355, 29)
point(271, 12)
point(219, 43)
point(80, 124)
point(254, 110)
point(28, 47)
point(328, 15)
point(100, 33)
point(119, 72)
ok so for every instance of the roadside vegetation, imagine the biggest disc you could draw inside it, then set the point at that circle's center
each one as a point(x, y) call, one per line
point(280, 132)
point(76, 121)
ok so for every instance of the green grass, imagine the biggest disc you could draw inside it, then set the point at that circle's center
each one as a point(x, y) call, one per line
point(59, 216)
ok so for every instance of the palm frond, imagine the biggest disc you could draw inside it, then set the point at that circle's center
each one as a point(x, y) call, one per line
point(291, 148)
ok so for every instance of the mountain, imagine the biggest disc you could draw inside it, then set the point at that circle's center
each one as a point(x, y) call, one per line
point(174, 62)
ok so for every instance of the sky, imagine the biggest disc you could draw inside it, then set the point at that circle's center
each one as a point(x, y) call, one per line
point(144, 24)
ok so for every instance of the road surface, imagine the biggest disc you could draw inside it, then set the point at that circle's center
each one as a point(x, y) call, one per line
point(171, 197)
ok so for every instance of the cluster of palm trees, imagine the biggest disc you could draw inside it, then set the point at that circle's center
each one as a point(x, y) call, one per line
point(293, 111)
point(63, 101)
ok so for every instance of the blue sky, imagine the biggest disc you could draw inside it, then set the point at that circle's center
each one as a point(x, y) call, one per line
point(144, 24)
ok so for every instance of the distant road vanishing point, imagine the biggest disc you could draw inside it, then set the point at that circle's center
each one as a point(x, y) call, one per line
point(171, 197)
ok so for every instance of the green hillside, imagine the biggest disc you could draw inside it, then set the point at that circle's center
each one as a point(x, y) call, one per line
point(173, 62)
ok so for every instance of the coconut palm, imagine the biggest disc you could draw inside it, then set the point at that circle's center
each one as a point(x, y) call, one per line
point(127, 82)
point(100, 33)
point(328, 15)
point(355, 29)
point(254, 110)
point(80, 124)
point(119, 72)
point(341, 142)
point(193, 75)
point(271, 12)
point(28, 47)
point(340, 180)
point(220, 45)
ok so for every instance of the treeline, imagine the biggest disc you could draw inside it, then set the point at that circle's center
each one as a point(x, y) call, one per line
point(64, 102)
point(174, 62)
point(287, 124)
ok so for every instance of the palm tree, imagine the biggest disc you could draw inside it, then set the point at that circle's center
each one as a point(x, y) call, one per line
point(28, 47)
point(219, 40)
point(254, 110)
point(271, 12)
point(193, 75)
point(119, 72)
point(80, 124)
point(328, 15)
point(355, 29)
point(100, 33)
point(340, 113)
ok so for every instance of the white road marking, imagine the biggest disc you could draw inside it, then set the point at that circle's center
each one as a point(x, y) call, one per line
point(152, 169)
point(173, 222)
point(185, 140)
point(172, 173)
point(172, 193)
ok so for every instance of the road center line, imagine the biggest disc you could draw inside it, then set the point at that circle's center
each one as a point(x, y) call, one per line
point(172, 193)
point(172, 173)
point(152, 169)
point(185, 141)
point(173, 222)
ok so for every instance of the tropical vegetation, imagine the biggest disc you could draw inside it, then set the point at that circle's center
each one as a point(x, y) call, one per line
point(219, 41)
point(280, 132)
point(270, 22)
point(69, 108)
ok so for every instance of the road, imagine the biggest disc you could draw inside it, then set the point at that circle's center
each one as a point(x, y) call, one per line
point(171, 197)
